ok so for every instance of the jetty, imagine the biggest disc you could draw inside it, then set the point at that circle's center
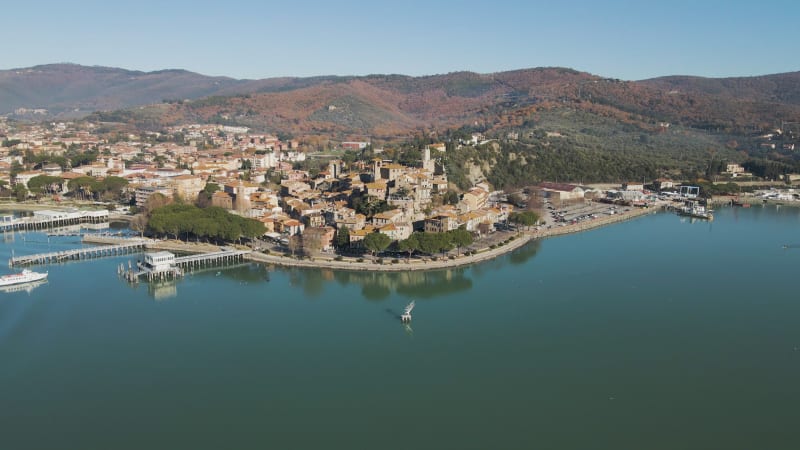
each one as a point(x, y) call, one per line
point(126, 247)
point(165, 265)
point(45, 219)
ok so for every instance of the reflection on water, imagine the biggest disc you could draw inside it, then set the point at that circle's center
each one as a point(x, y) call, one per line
point(378, 286)
point(244, 273)
point(162, 290)
point(24, 287)
point(524, 253)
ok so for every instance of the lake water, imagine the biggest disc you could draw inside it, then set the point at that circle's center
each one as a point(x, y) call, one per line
point(658, 333)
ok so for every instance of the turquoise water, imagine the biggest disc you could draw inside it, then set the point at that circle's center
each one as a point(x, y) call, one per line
point(658, 333)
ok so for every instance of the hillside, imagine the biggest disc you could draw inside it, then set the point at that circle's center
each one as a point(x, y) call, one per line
point(79, 90)
point(390, 106)
point(384, 106)
point(564, 123)
point(779, 88)
point(394, 106)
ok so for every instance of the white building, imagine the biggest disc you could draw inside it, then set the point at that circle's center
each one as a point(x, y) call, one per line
point(159, 261)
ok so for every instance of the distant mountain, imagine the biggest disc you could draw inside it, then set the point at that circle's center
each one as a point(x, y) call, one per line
point(377, 105)
point(395, 106)
point(779, 88)
point(65, 88)
point(561, 123)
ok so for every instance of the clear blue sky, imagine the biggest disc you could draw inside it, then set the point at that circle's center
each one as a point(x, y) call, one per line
point(259, 39)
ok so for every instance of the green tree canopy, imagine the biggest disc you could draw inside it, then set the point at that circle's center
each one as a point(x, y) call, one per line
point(376, 242)
point(44, 183)
point(409, 245)
point(460, 238)
point(524, 218)
point(184, 220)
point(342, 237)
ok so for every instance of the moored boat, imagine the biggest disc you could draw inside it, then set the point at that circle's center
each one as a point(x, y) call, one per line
point(694, 209)
point(26, 276)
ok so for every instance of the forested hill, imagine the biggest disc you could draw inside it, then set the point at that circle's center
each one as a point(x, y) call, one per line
point(559, 117)
point(75, 90)
point(779, 88)
point(390, 106)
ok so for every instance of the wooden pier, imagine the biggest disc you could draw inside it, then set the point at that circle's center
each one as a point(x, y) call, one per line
point(129, 246)
point(42, 220)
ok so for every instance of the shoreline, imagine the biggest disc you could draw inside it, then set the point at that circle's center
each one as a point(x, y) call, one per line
point(402, 265)
point(505, 242)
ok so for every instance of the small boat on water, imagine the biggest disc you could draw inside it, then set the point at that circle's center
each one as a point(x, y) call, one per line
point(26, 276)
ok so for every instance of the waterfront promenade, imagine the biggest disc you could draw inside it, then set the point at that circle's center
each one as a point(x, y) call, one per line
point(480, 251)
point(485, 249)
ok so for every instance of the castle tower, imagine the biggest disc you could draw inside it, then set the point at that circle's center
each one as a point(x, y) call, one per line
point(427, 163)
point(376, 169)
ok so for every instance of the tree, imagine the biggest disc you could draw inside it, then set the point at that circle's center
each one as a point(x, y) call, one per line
point(16, 168)
point(525, 218)
point(204, 198)
point(450, 198)
point(430, 243)
point(155, 201)
point(84, 186)
point(460, 238)
point(295, 243)
point(409, 245)
point(44, 183)
point(376, 242)
point(20, 192)
point(342, 237)
point(139, 223)
point(515, 199)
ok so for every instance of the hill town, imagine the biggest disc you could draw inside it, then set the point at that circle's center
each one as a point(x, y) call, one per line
point(255, 176)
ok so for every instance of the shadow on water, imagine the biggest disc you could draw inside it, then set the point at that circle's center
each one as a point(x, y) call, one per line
point(243, 273)
point(517, 257)
point(379, 286)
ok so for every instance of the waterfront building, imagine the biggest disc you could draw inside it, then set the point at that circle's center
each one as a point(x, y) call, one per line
point(159, 261)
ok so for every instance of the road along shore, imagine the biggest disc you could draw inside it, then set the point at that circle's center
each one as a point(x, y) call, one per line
point(507, 242)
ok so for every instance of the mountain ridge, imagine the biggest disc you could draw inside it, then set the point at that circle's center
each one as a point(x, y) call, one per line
point(395, 104)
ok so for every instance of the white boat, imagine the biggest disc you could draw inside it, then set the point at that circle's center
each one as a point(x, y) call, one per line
point(26, 276)
point(696, 210)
